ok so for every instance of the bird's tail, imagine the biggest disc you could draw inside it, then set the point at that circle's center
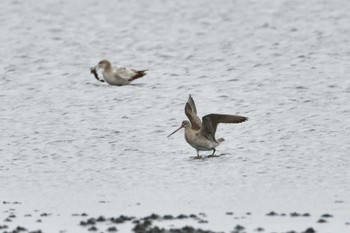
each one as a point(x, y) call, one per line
point(139, 74)
point(220, 140)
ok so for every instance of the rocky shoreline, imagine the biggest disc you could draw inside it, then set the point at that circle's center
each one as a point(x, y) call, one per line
point(153, 223)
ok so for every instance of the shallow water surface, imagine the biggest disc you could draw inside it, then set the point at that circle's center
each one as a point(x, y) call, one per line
point(70, 144)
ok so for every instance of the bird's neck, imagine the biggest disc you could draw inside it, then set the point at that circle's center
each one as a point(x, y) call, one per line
point(188, 130)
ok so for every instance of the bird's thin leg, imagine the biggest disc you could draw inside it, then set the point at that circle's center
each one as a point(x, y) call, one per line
point(197, 153)
point(212, 155)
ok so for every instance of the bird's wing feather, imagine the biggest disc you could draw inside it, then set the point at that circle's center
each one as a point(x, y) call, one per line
point(124, 72)
point(211, 121)
point(191, 113)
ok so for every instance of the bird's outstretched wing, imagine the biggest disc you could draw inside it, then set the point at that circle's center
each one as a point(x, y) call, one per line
point(211, 121)
point(191, 113)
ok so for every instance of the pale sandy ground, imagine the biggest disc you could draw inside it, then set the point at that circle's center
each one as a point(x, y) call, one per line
point(69, 144)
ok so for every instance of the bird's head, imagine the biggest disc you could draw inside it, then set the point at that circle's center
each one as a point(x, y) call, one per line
point(104, 64)
point(184, 124)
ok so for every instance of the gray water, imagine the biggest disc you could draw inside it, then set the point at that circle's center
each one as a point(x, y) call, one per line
point(71, 144)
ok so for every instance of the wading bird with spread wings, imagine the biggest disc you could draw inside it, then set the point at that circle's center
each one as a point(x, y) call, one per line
point(201, 135)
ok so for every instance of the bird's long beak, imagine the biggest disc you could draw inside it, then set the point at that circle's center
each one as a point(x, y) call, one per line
point(181, 126)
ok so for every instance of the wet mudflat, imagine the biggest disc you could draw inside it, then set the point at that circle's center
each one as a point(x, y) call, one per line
point(71, 145)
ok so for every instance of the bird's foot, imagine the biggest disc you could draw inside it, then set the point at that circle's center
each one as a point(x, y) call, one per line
point(197, 157)
point(213, 156)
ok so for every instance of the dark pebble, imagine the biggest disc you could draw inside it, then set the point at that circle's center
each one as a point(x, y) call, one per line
point(112, 229)
point(188, 229)
point(168, 217)
point(259, 229)
point(93, 228)
point(84, 214)
point(181, 216)
point(39, 220)
point(291, 232)
point(38, 231)
point(347, 223)
point(121, 219)
point(152, 217)
point(156, 229)
point(142, 227)
point(202, 221)
point(136, 221)
point(20, 229)
point(248, 213)
point(309, 230)
point(7, 220)
point(3, 227)
point(101, 219)
point(44, 214)
point(90, 221)
point(294, 214)
point(321, 220)
point(306, 215)
point(147, 222)
point(12, 216)
point(83, 223)
point(239, 228)
point(327, 216)
point(193, 216)
point(272, 213)
point(229, 213)
point(27, 215)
